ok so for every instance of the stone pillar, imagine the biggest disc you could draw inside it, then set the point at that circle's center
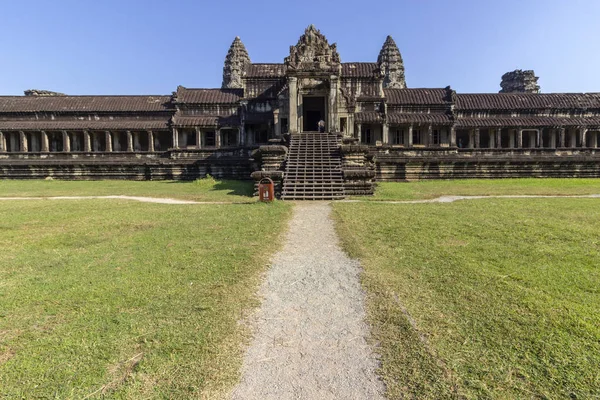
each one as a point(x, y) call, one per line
point(150, 141)
point(358, 131)
point(552, 138)
point(350, 126)
point(293, 95)
point(129, 141)
point(491, 139)
point(108, 138)
point(136, 141)
point(583, 137)
point(540, 138)
point(87, 142)
point(561, 137)
point(218, 138)
point(519, 138)
point(499, 138)
point(23, 142)
point(198, 137)
point(276, 123)
point(332, 126)
point(175, 138)
point(452, 136)
point(385, 129)
point(243, 134)
point(477, 134)
point(410, 136)
point(243, 138)
point(594, 140)
point(429, 135)
point(2, 143)
point(66, 141)
point(45, 142)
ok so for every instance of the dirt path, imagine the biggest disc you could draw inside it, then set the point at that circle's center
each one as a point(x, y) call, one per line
point(442, 199)
point(310, 334)
point(132, 198)
point(451, 199)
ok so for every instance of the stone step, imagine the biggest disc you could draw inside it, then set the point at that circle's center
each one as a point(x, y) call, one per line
point(313, 168)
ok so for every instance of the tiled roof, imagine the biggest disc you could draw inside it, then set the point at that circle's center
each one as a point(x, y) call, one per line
point(12, 104)
point(403, 118)
point(368, 117)
point(525, 121)
point(359, 69)
point(50, 125)
point(209, 96)
point(514, 101)
point(265, 70)
point(415, 96)
point(205, 121)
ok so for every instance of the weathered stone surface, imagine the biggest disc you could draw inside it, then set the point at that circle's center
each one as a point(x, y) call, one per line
point(354, 149)
point(391, 65)
point(519, 81)
point(37, 92)
point(359, 174)
point(313, 53)
point(236, 62)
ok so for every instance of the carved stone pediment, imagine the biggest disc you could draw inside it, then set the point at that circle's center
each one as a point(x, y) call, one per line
point(313, 53)
point(312, 83)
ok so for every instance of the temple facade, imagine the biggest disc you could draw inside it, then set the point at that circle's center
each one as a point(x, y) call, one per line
point(403, 133)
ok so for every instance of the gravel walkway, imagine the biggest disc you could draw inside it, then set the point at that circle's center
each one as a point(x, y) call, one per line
point(310, 334)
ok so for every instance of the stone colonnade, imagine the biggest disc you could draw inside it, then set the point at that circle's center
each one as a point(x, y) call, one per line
point(431, 135)
point(77, 141)
point(198, 138)
point(516, 138)
point(409, 135)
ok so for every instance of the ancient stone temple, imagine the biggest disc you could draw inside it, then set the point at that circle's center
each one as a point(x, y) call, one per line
point(263, 122)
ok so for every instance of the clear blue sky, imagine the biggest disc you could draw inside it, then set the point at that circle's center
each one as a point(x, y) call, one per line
point(150, 47)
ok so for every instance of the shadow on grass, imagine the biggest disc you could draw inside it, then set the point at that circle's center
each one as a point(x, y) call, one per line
point(237, 188)
point(230, 187)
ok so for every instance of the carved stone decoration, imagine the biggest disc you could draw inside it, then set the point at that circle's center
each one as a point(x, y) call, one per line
point(313, 53)
point(236, 61)
point(42, 93)
point(391, 65)
point(519, 81)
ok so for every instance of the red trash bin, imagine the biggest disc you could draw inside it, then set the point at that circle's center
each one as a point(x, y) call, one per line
point(266, 190)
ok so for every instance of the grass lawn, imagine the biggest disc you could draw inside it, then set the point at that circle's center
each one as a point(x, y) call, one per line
point(116, 299)
point(207, 189)
point(495, 298)
point(480, 187)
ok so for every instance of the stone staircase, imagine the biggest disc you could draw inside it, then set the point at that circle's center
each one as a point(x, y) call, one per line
point(313, 168)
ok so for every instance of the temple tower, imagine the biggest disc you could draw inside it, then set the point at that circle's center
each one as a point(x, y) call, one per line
point(236, 61)
point(391, 65)
point(519, 81)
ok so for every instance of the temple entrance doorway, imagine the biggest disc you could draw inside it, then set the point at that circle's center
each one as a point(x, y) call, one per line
point(314, 111)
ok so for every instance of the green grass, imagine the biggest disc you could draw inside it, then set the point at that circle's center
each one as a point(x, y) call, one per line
point(207, 189)
point(480, 187)
point(495, 298)
point(117, 299)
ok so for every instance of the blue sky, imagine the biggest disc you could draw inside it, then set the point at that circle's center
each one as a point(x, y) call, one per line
point(150, 47)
